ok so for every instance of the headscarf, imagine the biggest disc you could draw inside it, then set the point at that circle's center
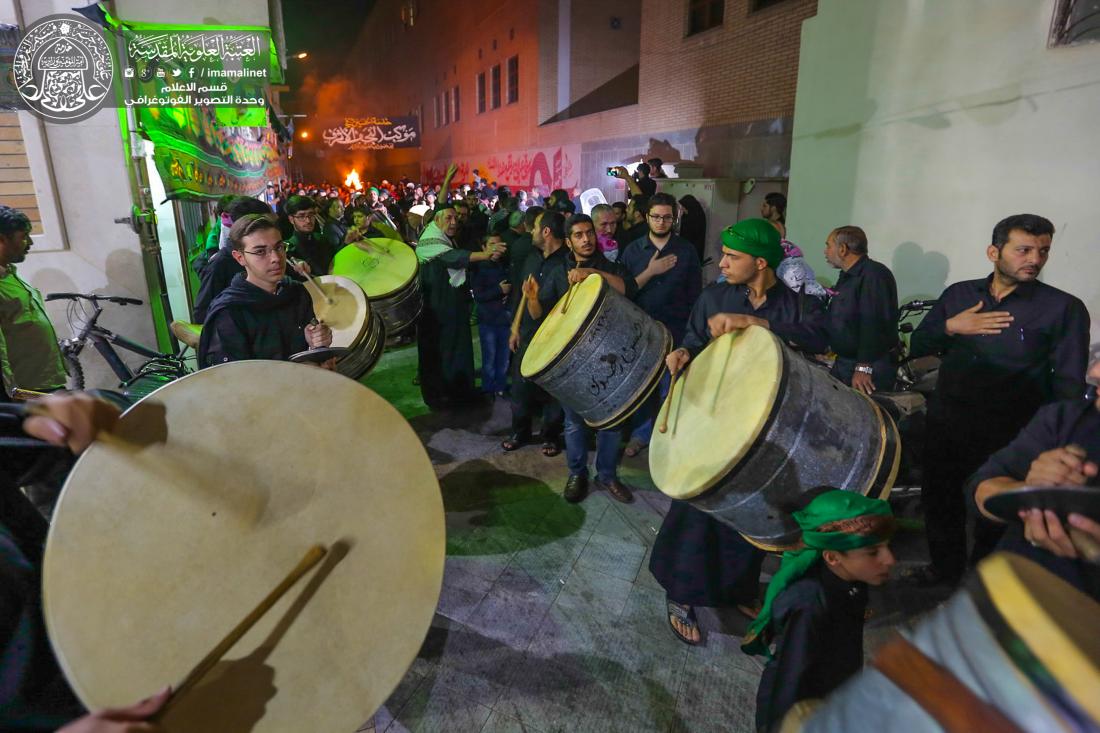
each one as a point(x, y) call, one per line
point(827, 524)
point(755, 237)
point(434, 242)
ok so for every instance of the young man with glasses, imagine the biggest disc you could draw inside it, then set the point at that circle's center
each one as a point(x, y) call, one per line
point(262, 314)
point(669, 276)
point(306, 243)
point(221, 268)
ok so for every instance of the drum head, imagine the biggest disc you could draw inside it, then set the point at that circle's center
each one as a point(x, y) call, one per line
point(558, 330)
point(718, 409)
point(1054, 621)
point(348, 314)
point(211, 490)
point(380, 266)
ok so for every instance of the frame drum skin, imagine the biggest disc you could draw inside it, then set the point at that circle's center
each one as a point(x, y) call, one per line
point(600, 358)
point(752, 426)
point(171, 530)
point(1018, 637)
point(387, 271)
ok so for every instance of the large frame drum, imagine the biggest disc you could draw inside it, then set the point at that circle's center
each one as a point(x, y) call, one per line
point(597, 353)
point(206, 494)
point(753, 426)
point(387, 270)
point(1019, 638)
point(355, 326)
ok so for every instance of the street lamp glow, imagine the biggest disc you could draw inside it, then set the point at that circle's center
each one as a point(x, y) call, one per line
point(302, 55)
point(304, 134)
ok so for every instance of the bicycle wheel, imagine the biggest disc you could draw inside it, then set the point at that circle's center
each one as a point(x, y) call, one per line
point(74, 370)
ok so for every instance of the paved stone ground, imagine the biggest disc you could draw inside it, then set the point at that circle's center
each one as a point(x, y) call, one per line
point(549, 619)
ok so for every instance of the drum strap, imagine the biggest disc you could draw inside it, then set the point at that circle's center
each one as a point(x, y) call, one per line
point(951, 703)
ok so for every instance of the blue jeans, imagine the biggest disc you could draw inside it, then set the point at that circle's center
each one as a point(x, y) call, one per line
point(494, 357)
point(642, 421)
point(576, 448)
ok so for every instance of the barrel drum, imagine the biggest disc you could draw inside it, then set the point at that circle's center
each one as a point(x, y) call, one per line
point(598, 354)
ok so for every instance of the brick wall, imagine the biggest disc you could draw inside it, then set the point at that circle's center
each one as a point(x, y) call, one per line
point(723, 97)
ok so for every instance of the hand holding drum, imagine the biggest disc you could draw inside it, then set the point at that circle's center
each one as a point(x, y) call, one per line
point(723, 323)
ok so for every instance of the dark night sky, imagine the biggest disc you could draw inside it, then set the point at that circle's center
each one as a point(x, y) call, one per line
point(327, 30)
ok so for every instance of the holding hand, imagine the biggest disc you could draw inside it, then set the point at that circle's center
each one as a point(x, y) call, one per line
point(317, 335)
point(1066, 466)
point(531, 288)
point(1043, 529)
point(122, 720)
point(863, 382)
point(722, 323)
point(578, 274)
point(513, 342)
point(972, 323)
point(71, 420)
point(505, 287)
point(677, 360)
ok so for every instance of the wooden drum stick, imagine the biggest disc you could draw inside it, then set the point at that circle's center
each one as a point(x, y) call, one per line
point(519, 315)
point(666, 408)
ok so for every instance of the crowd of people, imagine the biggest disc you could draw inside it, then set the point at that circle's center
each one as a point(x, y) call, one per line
point(1011, 405)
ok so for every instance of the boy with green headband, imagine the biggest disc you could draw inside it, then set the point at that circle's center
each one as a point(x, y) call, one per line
point(815, 604)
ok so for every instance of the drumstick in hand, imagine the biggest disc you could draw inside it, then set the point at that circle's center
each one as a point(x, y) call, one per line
point(667, 406)
point(519, 315)
point(311, 558)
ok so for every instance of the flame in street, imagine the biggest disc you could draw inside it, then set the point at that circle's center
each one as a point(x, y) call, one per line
point(353, 181)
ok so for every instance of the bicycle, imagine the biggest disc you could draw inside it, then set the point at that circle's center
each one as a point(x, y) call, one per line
point(158, 369)
point(914, 374)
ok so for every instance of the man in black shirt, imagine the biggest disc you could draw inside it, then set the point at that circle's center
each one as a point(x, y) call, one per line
point(669, 276)
point(863, 315)
point(262, 314)
point(1059, 447)
point(221, 268)
point(647, 185)
point(698, 560)
point(544, 280)
point(519, 251)
point(307, 243)
point(634, 225)
point(586, 259)
point(1009, 345)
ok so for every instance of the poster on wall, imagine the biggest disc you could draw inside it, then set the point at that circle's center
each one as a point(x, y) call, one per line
point(537, 171)
point(370, 133)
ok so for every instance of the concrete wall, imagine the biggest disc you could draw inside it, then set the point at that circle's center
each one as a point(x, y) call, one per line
point(93, 189)
point(926, 123)
point(599, 53)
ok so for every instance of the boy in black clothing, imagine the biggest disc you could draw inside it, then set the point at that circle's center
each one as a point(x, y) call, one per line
point(490, 287)
point(815, 604)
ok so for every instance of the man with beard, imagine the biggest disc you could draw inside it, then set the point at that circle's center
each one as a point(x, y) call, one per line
point(306, 243)
point(29, 355)
point(607, 223)
point(262, 314)
point(444, 342)
point(1009, 344)
point(544, 279)
point(586, 259)
point(698, 560)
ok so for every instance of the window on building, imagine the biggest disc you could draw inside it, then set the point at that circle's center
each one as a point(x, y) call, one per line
point(761, 4)
point(513, 80)
point(704, 15)
point(447, 107)
point(494, 86)
point(1075, 21)
point(438, 112)
point(481, 92)
point(454, 100)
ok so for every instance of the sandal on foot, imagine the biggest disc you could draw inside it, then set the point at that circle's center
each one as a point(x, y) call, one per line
point(686, 616)
point(513, 442)
point(750, 611)
point(633, 448)
point(550, 449)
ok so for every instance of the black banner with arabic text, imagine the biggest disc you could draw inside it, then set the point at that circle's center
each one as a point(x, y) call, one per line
point(370, 133)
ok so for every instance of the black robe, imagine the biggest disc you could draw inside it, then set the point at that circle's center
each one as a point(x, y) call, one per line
point(698, 560)
point(247, 322)
point(819, 643)
point(444, 342)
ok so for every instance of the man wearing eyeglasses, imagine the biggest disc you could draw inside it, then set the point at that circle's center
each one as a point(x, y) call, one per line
point(262, 314)
point(306, 243)
point(669, 276)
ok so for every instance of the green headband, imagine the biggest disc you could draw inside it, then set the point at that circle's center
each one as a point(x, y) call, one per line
point(756, 237)
point(831, 506)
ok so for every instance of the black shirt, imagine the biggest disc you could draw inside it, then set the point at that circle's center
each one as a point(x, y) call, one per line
point(797, 319)
point(247, 322)
point(551, 273)
point(647, 185)
point(599, 263)
point(216, 276)
point(863, 315)
point(1039, 358)
point(624, 234)
point(670, 296)
point(1054, 426)
point(315, 249)
point(819, 643)
point(518, 251)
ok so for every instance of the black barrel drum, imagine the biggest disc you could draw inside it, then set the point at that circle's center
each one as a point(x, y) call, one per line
point(753, 426)
point(597, 353)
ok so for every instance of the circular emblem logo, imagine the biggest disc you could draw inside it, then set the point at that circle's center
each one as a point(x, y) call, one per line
point(63, 68)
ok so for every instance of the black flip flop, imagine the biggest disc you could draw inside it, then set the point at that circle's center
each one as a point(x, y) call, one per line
point(686, 616)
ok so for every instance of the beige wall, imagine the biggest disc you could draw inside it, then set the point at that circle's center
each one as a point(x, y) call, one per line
point(927, 122)
point(598, 52)
point(92, 188)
